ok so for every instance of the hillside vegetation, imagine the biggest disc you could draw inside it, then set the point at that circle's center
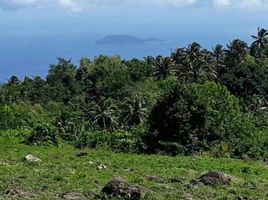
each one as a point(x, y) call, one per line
point(62, 172)
point(208, 105)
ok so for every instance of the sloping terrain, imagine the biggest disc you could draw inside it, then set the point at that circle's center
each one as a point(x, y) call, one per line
point(65, 170)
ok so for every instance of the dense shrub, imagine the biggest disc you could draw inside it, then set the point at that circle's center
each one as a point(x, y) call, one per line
point(43, 133)
point(15, 116)
point(197, 116)
point(16, 134)
point(118, 140)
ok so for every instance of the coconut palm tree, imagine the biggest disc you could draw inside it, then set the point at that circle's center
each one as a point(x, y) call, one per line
point(195, 63)
point(103, 113)
point(218, 53)
point(163, 66)
point(236, 53)
point(260, 43)
point(134, 111)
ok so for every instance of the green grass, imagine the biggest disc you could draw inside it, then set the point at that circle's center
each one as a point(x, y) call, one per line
point(62, 172)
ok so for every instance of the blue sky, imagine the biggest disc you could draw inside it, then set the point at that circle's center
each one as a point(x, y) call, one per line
point(33, 33)
point(133, 16)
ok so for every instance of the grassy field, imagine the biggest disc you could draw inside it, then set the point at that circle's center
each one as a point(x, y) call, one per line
point(61, 172)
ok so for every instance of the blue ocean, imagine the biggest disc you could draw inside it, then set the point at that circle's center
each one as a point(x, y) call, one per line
point(26, 55)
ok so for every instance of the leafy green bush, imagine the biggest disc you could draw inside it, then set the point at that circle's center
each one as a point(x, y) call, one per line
point(197, 116)
point(16, 116)
point(254, 146)
point(118, 140)
point(16, 134)
point(43, 133)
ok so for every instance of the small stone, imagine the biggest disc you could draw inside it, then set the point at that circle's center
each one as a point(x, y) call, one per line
point(131, 170)
point(31, 158)
point(81, 154)
point(177, 180)
point(120, 188)
point(115, 186)
point(102, 167)
point(16, 193)
point(157, 179)
point(215, 178)
point(74, 196)
point(133, 192)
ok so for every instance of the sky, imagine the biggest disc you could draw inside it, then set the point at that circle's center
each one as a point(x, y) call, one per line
point(50, 17)
point(33, 33)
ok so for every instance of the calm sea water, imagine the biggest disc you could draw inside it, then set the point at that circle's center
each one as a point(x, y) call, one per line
point(32, 55)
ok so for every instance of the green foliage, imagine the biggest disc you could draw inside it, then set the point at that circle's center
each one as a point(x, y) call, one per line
point(117, 140)
point(16, 134)
point(16, 116)
point(197, 116)
point(62, 172)
point(193, 100)
point(247, 79)
point(43, 133)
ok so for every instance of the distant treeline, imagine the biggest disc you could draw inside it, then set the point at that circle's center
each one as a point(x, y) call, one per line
point(193, 101)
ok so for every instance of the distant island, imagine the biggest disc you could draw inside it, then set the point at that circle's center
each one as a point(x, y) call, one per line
point(126, 40)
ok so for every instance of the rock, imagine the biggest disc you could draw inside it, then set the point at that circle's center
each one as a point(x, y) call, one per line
point(120, 188)
point(74, 196)
point(157, 179)
point(115, 187)
point(133, 192)
point(177, 180)
point(81, 154)
point(16, 193)
point(102, 167)
point(31, 158)
point(131, 170)
point(215, 178)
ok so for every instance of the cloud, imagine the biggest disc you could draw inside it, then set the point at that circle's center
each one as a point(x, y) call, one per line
point(222, 3)
point(79, 5)
point(240, 3)
point(70, 4)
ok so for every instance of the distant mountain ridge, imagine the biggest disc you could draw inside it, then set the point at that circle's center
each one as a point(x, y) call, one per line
point(126, 40)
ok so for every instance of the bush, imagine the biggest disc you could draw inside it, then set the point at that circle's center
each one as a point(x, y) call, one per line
point(254, 146)
point(197, 117)
point(43, 133)
point(118, 140)
point(15, 134)
point(16, 116)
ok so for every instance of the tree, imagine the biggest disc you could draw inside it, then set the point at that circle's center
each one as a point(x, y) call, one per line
point(162, 67)
point(260, 43)
point(103, 114)
point(235, 53)
point(14, 80)
point(134, 111)
point(194, 63)
point(196, 117)
point(218, 54)
point(247, 79)
point(61, 79)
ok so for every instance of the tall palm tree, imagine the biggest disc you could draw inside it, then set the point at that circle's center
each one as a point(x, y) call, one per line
point(163, 66)
point(194, 50)
point(195, 63)
point(260, 43)
point(103, 113)
point(134, 111)
point(218, 52)
point(236, 52)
